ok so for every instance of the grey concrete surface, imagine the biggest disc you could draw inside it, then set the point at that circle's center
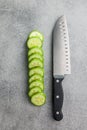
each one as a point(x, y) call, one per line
point(17, 19)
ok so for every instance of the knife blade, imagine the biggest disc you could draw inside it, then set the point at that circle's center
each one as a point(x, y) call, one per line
point(61, 64)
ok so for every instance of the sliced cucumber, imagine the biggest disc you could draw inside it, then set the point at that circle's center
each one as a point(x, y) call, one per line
point(37, 84)
point(35, 77)
point(35, 63)
point(36, 33)
point(37, 70)
point(34, 42)
point(38, 99)
point(37, 56)
point(35, 51)
point(34, 91)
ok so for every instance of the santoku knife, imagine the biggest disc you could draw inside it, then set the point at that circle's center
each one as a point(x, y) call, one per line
point(61, 64)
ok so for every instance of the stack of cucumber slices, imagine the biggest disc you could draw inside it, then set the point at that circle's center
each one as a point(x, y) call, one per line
point(36, 68)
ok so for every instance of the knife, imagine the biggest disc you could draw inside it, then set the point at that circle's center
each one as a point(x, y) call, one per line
point(61, 64)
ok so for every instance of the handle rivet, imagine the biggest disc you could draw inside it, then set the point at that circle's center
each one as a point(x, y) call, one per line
point(57, 81)
point(57, 96)
point(57, 113)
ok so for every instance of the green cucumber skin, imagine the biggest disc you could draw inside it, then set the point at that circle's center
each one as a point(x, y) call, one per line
point(38, 35)
point(38, 94)
point(37, 70)
point(35, 63)
point(35, 56)
point(34, 91)
point(34, 42)
point(36, 84)
point(35, 51)
point(36, 77)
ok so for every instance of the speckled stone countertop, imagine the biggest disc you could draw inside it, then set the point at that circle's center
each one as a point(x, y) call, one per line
point(17, 19)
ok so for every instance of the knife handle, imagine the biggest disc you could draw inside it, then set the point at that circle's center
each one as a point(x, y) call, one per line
point(57, 98)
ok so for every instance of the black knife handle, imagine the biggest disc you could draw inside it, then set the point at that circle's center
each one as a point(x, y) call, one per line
point(57, 98)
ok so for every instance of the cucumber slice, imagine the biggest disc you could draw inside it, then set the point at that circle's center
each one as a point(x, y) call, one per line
point(36, 33)
point(35, 51)
point(36, 84)
point(38, 99)
point(35, 63)
point(35, 77)
point(34, 42)
point(37, 56)
point(34, 91)
point(37, 70)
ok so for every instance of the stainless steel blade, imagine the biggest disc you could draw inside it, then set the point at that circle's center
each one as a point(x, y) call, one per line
point(61, 50)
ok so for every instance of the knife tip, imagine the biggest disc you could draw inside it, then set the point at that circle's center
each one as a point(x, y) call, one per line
point(62, 17)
